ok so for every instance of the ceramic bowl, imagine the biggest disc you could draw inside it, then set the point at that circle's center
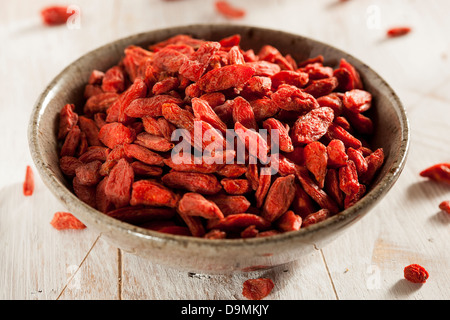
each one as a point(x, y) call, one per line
point(230, 255)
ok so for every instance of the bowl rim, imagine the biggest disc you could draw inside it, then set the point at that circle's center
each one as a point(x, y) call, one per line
point(68, 198)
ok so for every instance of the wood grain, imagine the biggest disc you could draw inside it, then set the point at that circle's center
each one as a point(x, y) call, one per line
point(38, 262)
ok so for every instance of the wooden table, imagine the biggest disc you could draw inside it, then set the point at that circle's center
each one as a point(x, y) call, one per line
point(39, 262)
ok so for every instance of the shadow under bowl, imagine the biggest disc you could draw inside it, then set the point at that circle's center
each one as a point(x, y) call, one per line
point(229, 255)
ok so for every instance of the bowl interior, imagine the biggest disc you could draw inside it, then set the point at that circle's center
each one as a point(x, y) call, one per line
point(390, 121)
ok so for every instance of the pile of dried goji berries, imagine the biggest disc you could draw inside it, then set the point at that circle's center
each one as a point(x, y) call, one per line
point(120, 154)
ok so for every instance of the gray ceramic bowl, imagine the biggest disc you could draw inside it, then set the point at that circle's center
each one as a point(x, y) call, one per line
point(216, 256)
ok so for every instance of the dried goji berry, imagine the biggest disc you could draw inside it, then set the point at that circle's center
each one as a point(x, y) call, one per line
point(279, 198)
point(398, 31)
point(438, 172)
point(236, 186)
point(152, 106)
point(194, 204)
point(289, 221)
point(28, 184)
point(290, 98)
point(229, 11)
point(445, 206)
point(192, 181)
point(66, 220)
point(316, 159)
point(230, 204)
point(284, 140)
point(315, 217)
point(55, 15)
point(113, 134)
point(243, 113)
point(152, 193)
point(257, 289)
point(68, 118)
point(312, 126)
point(122, 157)
point(415, 273)
point(233, 76)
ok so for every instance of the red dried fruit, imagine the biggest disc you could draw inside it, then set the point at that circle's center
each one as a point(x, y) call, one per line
point(398, 31)
point(238, 222)
point(233, 76)
point(316, 159)
point(374, 162)
point(332, 101)
point(203, 111)
point(233, 40)
point(139, 214)
point(55, 15)
point(69, 148)
point(236, 186)
point(438, 172)
point(312, 126)
point(113, 134)
point(445, 206)
point(100, 102)
point(348, 178)
point(322, 87)
point(194, 204)
point(68, 118)
point(243, 113)
point(257, 289)
point(152, 193)
point(68, 165)
point(295, 78)
point(28, 184)
point(253, 141)
point(284, 140)
point(117, 110)
point(229, 11)
point(302, 203)
point(351, 199)
point(279, 198)
point(87, 194)
point(264, 68)
point(264, 108)
point(337, 156)
point(357, 100)
point(91, 131)
point(118, 186)
point(181, 118)
point(332, 187)
point(317, 194)
point(142, 107)
point(65, 221)
point(89, 174)
point(289, 221)
point(114, 80)
point(356, 82)
point(194, 224)
point(256, 187)
point(143, 154)
point(192, 181)
point(315, 217)
point(339, 133)
point(415, 273)
point(230, 204)
point(263, 187)
point(359, 160)
point(290, 98)
point(196, 66)
point(317, 71)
